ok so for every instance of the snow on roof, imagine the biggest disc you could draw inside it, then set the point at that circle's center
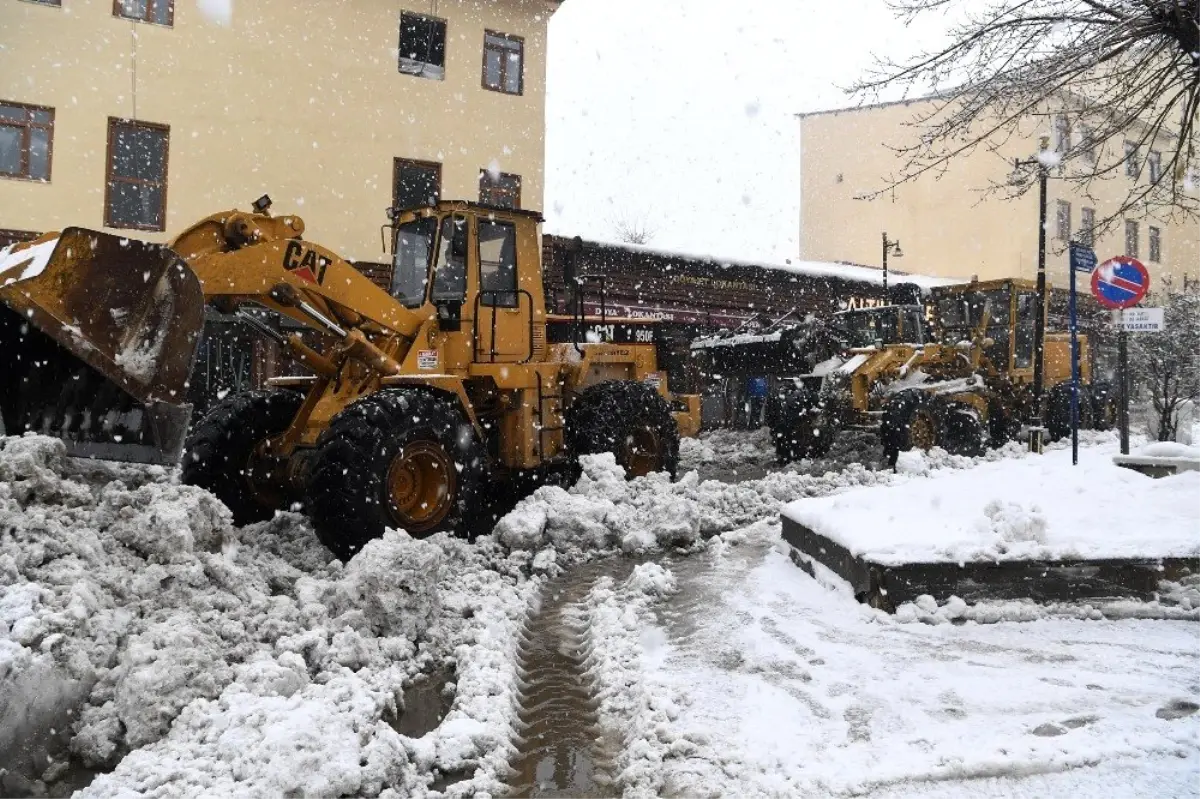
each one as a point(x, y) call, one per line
point(841, 271)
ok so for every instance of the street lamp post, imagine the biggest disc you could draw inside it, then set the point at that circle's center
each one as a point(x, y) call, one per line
point(1037, 430)
point(894, 248)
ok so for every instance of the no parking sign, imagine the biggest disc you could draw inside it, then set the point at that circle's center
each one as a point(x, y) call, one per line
point(1120, 282)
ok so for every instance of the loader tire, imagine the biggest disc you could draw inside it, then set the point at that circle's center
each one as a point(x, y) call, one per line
point(800, 430)
point(218, 452)
point(1003, 424)
point(630, 420)
point(401, 458)
point(1104, 406)
point(912, 419)
point(1058, 411)
point(965, 432)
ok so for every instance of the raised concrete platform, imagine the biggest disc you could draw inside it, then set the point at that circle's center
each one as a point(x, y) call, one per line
point(1022, 528)
point(888, 585)
point(1161, 459)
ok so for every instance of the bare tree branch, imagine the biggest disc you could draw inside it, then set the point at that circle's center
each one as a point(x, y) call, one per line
point(1120, 70)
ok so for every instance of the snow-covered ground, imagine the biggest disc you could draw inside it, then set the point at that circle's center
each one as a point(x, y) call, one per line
point(188, 657)
point(752, 679)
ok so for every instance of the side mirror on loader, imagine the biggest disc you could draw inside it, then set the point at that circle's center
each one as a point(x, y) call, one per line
point(449, 313)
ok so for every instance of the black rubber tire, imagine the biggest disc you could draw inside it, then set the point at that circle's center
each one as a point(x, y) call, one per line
point(1104, 406)
point(1058, 411)
point(895, 432)
point(965, 433)
point(800, 430)
point(220, 445)
point(347, 489)
point(608, 416)
point(1003, 424)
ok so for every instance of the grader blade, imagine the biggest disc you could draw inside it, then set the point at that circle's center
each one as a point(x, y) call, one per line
point(98, 334)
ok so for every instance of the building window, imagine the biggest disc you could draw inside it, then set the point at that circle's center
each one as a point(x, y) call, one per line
point(1131, 159)
point(503, 63)
point(1131, 239)
point(1087, 143)
point(422, 46)
point(1087, 226)
point(160, 12)
point(499, 189)
point(1155, 245)
point(136, 188)
point(498, 263)
point(1064, 220)
point(1154, 163)
point(1062, 133)
point(26, 141)
point(416, 183)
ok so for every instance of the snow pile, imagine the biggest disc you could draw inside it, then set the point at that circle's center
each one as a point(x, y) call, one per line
point(1016, 508)
point(727, 449)
point(604, 511)
point(1169, 449)
point(139, 627)
point(652, 579)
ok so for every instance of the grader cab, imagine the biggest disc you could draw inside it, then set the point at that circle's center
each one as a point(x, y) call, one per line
point(971, 387)
point(454, 379)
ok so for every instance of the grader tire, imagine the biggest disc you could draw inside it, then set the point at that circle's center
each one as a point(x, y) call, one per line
point(400, 458)
point(220, 448)
point(630, 420)
point(912, 419)
point(800, 430)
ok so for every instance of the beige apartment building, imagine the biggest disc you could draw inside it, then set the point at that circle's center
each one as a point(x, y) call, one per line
point(946, 224)
point(147, 115)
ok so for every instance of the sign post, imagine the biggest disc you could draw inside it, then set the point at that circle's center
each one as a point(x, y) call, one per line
point(1083, 259)
point(1120, 283)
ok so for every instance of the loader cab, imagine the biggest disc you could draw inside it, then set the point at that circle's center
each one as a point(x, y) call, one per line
point(1008, 312)
point(478, 268)
point(883, 325)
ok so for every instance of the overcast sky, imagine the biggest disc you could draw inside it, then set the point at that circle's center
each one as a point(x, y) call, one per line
point(680, 113)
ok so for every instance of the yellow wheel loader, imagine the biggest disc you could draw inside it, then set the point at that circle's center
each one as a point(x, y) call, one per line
point(454, 379)
point(969, 388)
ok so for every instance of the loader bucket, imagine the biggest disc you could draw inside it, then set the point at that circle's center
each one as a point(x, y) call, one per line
point(98, 334)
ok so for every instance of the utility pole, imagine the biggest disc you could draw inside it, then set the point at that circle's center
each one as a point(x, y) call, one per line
point(1037, 430)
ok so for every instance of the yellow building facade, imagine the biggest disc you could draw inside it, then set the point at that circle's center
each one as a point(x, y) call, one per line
point(146, 115)
point(946, 222)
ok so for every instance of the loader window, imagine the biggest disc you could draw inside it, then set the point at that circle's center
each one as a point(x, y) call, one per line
point(450, 280)
point(498, 263)
point(410, 266)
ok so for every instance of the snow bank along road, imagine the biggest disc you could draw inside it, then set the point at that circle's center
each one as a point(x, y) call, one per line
point(144, 637)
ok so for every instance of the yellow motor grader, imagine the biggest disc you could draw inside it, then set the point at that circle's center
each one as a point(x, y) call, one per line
point(969, 388)
point(454, 378)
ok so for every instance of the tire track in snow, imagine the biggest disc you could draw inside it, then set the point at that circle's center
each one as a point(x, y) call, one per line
point(561, 750)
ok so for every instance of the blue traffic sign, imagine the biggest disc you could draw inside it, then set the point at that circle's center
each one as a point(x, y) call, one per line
point(1120, 282)
point(1083, 259)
